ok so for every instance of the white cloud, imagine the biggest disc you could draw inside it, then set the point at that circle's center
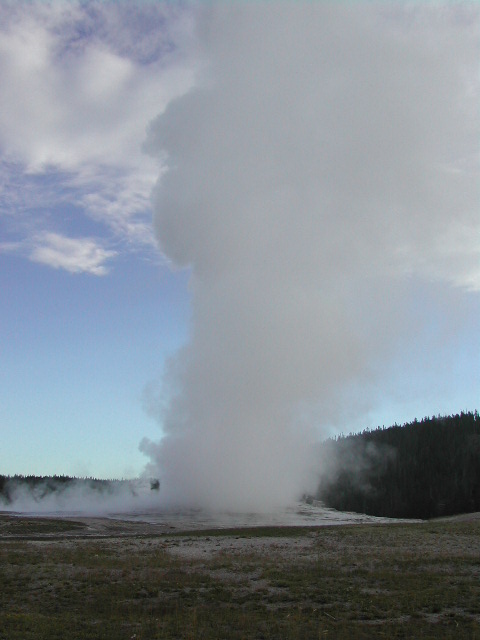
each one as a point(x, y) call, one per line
point(81, 82)
point(75, 255)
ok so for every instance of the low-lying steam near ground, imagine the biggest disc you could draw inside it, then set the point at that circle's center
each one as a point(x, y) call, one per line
point(89, 496)
point(138, 501)
point(322, 179)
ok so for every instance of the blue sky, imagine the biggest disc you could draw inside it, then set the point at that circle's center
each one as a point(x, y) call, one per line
point(77, 353)
point(91, 307)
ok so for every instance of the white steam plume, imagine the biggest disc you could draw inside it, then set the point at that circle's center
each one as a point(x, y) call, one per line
point(326, 164)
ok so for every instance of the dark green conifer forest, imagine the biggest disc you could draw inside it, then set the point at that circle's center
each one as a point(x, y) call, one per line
point(419, 470)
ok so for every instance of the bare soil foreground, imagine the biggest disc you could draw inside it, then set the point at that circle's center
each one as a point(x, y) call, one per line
point(93, 578)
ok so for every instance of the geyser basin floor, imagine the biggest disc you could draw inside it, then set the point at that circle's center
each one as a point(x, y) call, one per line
point(366, 581)
point(301, 514)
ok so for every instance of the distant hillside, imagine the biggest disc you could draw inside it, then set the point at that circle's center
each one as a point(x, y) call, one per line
point(418, 470)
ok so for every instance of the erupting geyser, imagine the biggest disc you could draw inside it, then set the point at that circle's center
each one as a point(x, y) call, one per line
point(320, 173)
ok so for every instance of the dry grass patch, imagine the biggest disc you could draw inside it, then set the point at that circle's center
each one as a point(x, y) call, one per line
point(368, 581)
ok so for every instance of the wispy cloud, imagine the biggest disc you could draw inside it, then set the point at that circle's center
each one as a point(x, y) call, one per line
point(75, 255)
point(81, 83)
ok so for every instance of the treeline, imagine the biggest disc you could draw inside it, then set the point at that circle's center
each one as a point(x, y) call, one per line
point(42, 486)
point(419, 470)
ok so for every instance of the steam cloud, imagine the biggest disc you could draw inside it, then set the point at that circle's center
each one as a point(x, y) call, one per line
point(324, 165)
point(88, 497)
